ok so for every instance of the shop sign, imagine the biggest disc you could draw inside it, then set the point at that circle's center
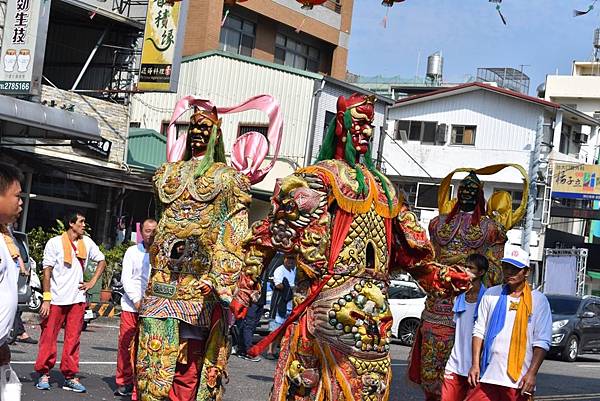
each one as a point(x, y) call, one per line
point(23, 46)
point(575, 213)
point(576, 181)
point(163, 41)
point(100, 147)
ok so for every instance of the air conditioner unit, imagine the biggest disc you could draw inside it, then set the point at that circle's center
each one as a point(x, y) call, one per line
point(596, 115)
point(579, 137)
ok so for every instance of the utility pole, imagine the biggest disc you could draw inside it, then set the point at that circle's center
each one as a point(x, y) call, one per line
point(534, 168)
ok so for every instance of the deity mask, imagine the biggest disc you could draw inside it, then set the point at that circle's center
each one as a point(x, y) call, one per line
point(469, 192)
point(202, 124)
point(354, 115)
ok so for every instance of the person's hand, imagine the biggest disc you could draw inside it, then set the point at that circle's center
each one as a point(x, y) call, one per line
point(474, 375)
point(4, 355)
point(204, 288)
point(45, 309)
point(138, 305)
point(85, 287)
point(527, 384)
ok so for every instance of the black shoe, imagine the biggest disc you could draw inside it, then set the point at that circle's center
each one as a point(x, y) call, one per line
point(124, 391)
point(27, 340)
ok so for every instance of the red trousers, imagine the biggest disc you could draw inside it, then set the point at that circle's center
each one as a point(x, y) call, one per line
point(72, 317)
point(187, 376)
point(455, 387)
point(493, 392)
point(127, 340)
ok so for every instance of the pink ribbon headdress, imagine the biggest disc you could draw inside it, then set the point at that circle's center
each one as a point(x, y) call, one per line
point(249, 150)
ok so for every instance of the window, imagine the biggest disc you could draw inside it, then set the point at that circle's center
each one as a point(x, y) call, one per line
point(181, 128)
point(294, 53)
point(329, 115)
point(565, 139)
point(237, 36)
point(420, 131)
point(563, 306)
point(427, 195)
point(260, 128)
point(405, 292)
point(133, 124)
point(463, 134)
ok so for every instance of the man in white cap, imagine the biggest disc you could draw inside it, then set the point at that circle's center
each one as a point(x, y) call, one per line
point(514, 330)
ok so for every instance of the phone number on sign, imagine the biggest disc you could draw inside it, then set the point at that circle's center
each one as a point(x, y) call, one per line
point(23, 86)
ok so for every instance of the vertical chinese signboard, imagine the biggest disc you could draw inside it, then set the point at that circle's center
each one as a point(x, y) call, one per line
point(23, 46)
point(576, 181)
point(163, 41)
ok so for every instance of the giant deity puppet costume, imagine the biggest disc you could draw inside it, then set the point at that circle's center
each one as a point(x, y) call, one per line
point(348, 230)
point(464, 226)
point(196, 257)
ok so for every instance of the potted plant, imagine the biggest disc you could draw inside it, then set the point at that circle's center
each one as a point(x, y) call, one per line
point(113, 258)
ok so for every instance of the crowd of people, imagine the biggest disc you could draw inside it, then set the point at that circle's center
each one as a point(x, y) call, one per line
point(340, 230)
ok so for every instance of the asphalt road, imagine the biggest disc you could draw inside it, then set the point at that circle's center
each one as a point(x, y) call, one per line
point(251, 381)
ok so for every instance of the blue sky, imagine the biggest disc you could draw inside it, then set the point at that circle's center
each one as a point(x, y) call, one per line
point(543, 34)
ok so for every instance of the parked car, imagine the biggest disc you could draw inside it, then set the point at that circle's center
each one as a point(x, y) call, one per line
point(575, 325)
point(407, 301)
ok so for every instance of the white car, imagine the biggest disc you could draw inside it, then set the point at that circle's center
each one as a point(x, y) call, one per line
point(407, 301)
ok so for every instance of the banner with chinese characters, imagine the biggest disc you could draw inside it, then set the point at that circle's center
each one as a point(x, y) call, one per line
point(163, 41)
point(23, 46)
point(576, 181)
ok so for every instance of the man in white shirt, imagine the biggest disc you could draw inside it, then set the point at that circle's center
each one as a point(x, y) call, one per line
point(456, 386)
point(281, 292)
point(65, 259)
point(134, 276)
point(514, 330)
point(10, 208)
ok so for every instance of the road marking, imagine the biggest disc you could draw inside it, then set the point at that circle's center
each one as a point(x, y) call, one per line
point(110, 326)
point(57, 362)
point(568, 397)
point(588, 366)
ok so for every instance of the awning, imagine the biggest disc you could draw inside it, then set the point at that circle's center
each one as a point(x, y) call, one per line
point(146, 149)
point(98, 175)
point(34, 120)
point(594, 275)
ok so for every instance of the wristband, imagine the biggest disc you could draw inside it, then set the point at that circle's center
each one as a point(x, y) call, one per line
point(47, 296)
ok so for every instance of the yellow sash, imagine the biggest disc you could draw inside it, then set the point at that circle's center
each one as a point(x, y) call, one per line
point(518, 340)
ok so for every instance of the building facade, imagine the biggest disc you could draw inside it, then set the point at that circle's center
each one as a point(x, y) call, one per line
point(278, 31)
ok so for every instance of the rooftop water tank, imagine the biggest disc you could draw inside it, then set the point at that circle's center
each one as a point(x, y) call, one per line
point(435, 66)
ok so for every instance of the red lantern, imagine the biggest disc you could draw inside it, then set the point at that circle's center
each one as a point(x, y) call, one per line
point(309, 4)
point(389, 3)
